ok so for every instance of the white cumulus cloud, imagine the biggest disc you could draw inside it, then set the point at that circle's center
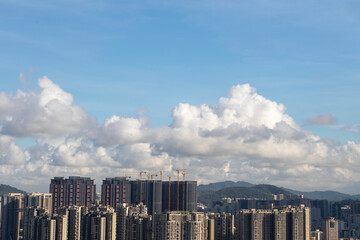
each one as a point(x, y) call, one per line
point(48, 113)
point(244, 137)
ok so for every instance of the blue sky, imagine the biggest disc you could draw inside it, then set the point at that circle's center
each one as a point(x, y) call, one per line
point(125, 57)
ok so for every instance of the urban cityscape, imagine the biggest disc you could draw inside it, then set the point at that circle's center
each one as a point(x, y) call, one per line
point(179, 120)
point(152, 208)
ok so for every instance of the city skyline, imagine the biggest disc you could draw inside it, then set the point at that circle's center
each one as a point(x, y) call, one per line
point(261, 92)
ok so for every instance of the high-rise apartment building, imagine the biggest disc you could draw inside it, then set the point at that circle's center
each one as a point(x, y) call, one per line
point(180, 226)
point(119, 190)
point(0, 215)
point(78, 191)
point(38, 225)
point(133, 222)
point(73, 221)
point(99, 223)
point(148, 192)
point(330, 229)
point(47, 228)
point(32, 219)
point(155, 194)
point(323, 205)
point(41, 200)
point(221, 226)
point(115, 191)
point(181, 195)
point(11, 214)
point(62, 227)
point(273, 224)
point(29, 229)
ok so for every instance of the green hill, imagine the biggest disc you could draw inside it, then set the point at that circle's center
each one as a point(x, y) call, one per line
point(271, 189)
point(4, 189)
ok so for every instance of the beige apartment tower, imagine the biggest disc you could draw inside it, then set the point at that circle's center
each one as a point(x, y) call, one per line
point(99, 223)
point(330, 229)
point(10, 216)
point(42, 200)
point(47, 229)
point(133, 222)
point(221, 226)
point(180, 225)
point(292, 223)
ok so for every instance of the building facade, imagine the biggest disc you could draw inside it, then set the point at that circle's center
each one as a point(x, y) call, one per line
point(42, 200)
point(331, 229)
point(273, 224)
point(11, 214)
point(179, 196)
point(133, 222)
point(159, 196)
point(179, 225)
point(99, 223)
point(115, 191)
point(148, 192)
point(221, 226)
point(78, 191)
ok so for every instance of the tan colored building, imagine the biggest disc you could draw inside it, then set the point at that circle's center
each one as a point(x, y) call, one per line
point(62, 227)
point(38, 225)
point(220, 226)
point(179, 225)
point(330, 229)
point(73, 220)
point(273, 224)
point(133, 222)
point(99, 223)
point(97, 228)
point(11, 214)
point(47, 228)
point(31, 216)
point(317, 235)
point(42, 200)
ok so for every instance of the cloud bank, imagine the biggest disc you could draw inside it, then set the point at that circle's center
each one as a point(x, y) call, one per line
point(244, 137)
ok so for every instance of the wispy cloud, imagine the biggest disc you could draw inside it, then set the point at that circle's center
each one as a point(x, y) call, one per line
point(322, 120)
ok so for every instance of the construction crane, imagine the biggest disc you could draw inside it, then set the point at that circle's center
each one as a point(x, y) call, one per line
point(141, 173)
point(161, 174)
point(178, 186)
point(151, 176)
point(183, 173)
point(129, 174)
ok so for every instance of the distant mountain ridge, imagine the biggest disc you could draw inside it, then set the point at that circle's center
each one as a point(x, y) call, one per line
point(330, 195)
point(262, 191)
point(4, 189)
point(220, 185)
point(243, 189)
point(240, 189)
